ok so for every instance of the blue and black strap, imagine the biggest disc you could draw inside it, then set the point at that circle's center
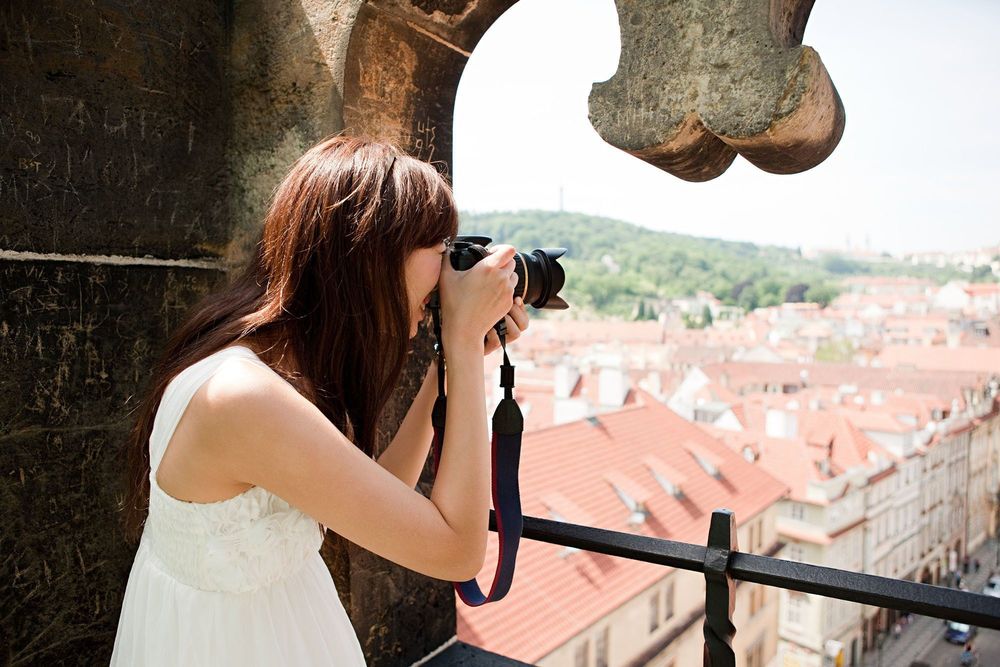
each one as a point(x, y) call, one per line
point(508, 425)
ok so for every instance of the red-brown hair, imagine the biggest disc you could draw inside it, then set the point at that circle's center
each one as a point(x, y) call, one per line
point(325, 285)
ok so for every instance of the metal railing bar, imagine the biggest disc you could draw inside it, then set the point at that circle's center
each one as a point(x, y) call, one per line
point(613, 543)
point(925, 599)
point(937, 601)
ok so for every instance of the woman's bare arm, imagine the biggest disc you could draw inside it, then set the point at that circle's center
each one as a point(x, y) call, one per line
point(263, 432)
point(406, 454)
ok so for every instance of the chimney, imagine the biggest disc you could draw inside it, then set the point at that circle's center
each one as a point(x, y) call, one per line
point(878, 397)
point(565, 379)
point(655, 387)
point(781, 424)
point(612, 387)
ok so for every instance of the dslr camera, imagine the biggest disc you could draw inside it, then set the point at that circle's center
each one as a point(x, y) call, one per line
point(539, 275)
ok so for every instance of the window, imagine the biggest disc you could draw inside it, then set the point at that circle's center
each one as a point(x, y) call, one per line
point(798, 511)
point(756, 598)
point(796, 604)
point(583, 653)
point(654, 611)
point(601, 652)
point(755, 654)
point(794, 552)
point(668, 610)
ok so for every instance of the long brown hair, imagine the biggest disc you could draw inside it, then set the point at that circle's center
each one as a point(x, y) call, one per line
point(325, 287)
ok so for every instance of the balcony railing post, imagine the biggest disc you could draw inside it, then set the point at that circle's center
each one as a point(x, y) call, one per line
point(720, 592)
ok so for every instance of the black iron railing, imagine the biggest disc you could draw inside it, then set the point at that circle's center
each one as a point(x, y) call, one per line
point(722, 563)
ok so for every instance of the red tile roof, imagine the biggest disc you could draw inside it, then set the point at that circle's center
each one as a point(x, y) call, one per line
point(554, 598)
point(821, 435)
point(982, 289)
point(935, 357)
point(740, 376)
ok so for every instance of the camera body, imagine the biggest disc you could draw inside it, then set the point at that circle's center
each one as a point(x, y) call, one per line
point(539, 275)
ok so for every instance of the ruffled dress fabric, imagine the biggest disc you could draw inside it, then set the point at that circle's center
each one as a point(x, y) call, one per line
point(234, 582)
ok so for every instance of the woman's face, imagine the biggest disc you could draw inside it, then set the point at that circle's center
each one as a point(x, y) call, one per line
point(422, 271)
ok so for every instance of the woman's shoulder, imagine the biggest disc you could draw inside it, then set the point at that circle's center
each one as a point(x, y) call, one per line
point(240, 395)
point(239, 378)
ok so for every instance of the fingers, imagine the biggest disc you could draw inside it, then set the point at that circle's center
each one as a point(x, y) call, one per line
point(516, 320)
point(492, 342)
point(502, 256)
point(520, 314)
point(503, 252)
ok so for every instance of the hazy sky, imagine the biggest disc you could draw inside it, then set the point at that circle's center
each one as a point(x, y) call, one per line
point(917, 168)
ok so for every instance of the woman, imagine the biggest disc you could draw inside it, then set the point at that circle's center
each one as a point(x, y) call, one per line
point(269, 398)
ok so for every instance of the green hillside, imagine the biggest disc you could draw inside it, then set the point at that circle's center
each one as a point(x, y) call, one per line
point(656, 266)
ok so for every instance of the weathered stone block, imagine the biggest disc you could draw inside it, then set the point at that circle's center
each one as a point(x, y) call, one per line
point(77, 339)
point(409, 96)
point(76, 343)
point(114, 121)
point(459, 24)
point(699, 82)
point(63, 566)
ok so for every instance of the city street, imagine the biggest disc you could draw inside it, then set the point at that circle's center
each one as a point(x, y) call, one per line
point(945, 654)
point(924, 638)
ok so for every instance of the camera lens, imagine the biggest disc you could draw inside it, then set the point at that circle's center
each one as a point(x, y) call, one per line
point(540, 277)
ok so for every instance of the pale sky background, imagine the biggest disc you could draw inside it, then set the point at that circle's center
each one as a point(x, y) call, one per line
point(917, 167)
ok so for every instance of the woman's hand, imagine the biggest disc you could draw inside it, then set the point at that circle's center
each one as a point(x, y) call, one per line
point(517, 322)
point(473, 301)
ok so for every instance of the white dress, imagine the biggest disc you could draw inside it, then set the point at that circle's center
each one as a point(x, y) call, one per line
point(234, 582)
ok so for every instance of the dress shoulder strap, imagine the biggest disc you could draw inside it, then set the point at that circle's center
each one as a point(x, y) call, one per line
point(178, 394)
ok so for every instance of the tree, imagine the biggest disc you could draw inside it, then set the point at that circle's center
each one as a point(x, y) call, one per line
point(821, 294)
point(706, 316)
point(738, 289)
point(796, 293)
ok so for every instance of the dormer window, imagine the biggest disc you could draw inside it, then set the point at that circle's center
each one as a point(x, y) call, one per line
point(633, 496)
point(708, 461)
point(668, 478)
point(637, 509)
point(667, 485)
point(565, 510)
point(556, 516)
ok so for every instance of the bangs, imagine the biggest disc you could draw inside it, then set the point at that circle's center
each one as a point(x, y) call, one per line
point(440, 221)
point(430, 200)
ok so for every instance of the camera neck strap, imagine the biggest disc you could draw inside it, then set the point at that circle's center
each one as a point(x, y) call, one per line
point(508, 425)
